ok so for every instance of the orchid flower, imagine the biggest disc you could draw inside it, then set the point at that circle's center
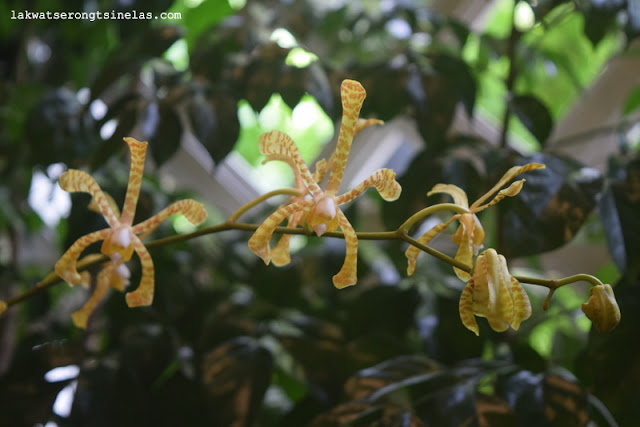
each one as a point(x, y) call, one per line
point(495, 294)
point(602, 308)
point(321, 206)
point(121, 238)
point(470, 234)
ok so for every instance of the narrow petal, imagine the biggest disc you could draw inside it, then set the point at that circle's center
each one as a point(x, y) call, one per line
point(464, 255)
point(363, 123)
point(93, 205)
point(510, 191)
point(322, 166)
point(352, 95)
point(66, 265)
point(508, 176)
point(143, 295)
point(280, 254)
point(192, 210)
point(81, 316)
point(276, 144)
point(383, 180)
point(465, 306)
point(75, 180)
point(348, 274)
point(500, 313)
point(458, 194)
point(521, 304)
point(259, 241)
point(138, 152)
point(412, 252)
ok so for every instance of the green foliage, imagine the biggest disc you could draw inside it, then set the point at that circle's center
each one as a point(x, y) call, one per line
point(230, 341)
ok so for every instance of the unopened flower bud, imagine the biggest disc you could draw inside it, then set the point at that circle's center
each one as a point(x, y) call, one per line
point(602, 308)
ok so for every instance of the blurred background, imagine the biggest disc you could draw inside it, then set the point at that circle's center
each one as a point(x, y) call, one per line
point(467, 89)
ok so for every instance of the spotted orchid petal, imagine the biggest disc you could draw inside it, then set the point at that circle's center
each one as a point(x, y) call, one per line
point(352, 95)
point(458, 194)
point(259, 241)
point(347, 276)
point(74, 181)
point(383, 180)
point(493, 293)
point(276, 144)
point(521, 304)
point(81, 316)
point(192, 210)
point(413, 252)
point(508, 176)
point(66, 265)
point(143, 295)
point(138, 152)
point(465, 307)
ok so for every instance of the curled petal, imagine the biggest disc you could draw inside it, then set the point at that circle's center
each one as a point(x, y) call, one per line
point(322, 166)
point(602, 308)
point(382, 180)
point(66, 265)
point(521, 304)
point(352, 95)
point(465, 307)
point(138, 151)
point(412, 252)
point(280, 254)
point(458, 194)
point(348, 275)
point(508, 176)
point(192, 210)
point(75, 180)
point(510, 191)
point(363, 123)
point(81, 316)
point(143, 295)
point(259, 241)
point(276, 144)
point(93, 205)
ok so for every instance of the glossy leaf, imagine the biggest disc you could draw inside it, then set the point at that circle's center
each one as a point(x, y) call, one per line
point(552, 206)
point(534, 115)
point(236, 375)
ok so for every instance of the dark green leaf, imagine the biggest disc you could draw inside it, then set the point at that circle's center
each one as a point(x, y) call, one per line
point(618, 209)
point(165, 141)
point(459, 74)
point(236, 375)
point(551, 208)
point(534, 115)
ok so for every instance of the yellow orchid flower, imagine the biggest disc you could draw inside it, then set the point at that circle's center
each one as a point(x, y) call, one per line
point(470, 234)
point(495, 294)
point(322, 206)
point(602, 308)
point(121, 238)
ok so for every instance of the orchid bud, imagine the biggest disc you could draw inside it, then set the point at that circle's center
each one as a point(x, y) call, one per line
point(602, 308)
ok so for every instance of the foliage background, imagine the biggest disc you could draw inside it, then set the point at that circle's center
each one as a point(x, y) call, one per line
point(229, 341)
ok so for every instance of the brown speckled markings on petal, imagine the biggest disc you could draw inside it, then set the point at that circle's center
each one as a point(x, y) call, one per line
point(279, 143)
point(75, 180)
point(143, 295)
point(465, 307)
point(521, 304)
point(382, 180)
point(412, 252)
point(81, 316)
point(66, 265)
point(259, 241)
point(192, 210)
point(347, 275)
point(352, 95)
point(138, 152)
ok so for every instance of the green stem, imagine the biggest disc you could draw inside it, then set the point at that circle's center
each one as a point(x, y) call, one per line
point(413, 219)
point(288, 191)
